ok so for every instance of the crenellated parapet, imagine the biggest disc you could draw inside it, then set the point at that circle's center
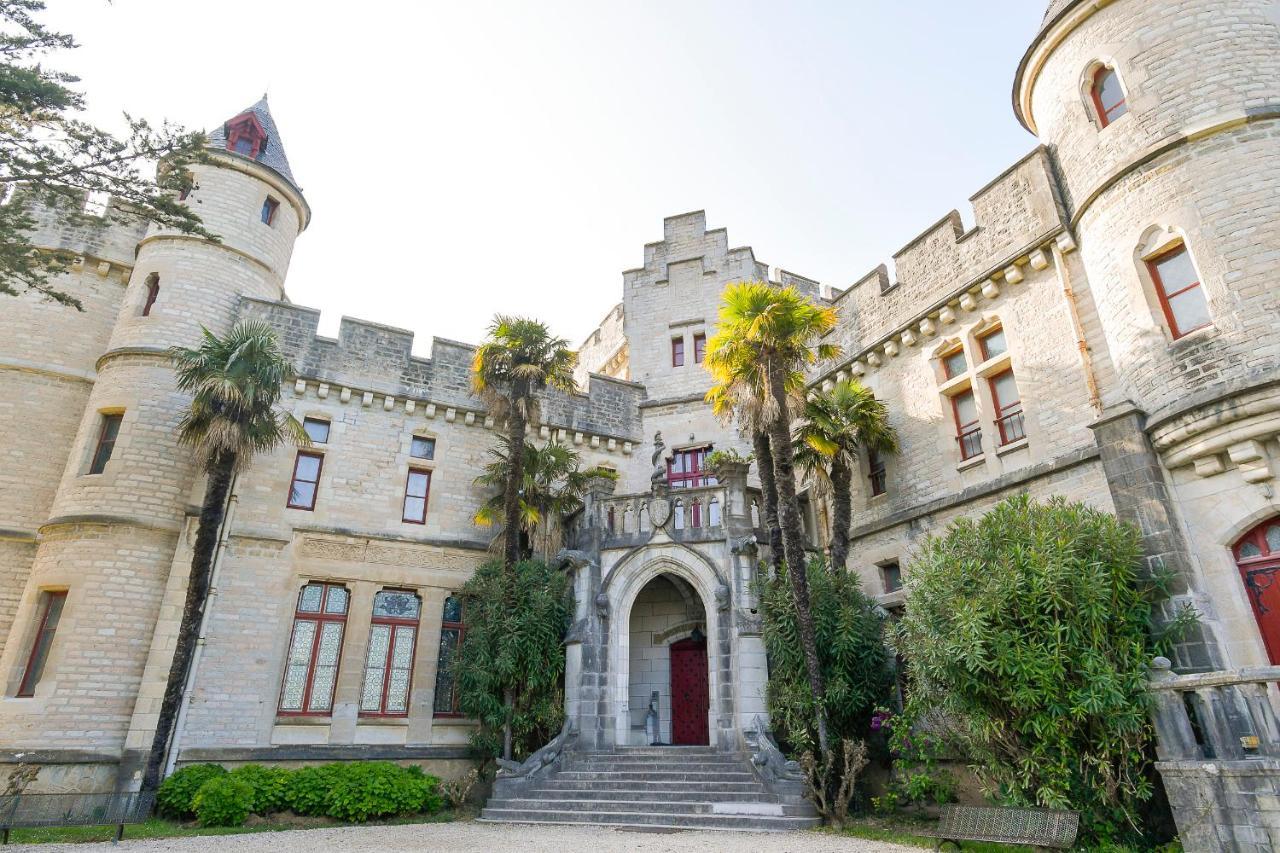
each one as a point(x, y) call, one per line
point(375, 365)
point(100, 236)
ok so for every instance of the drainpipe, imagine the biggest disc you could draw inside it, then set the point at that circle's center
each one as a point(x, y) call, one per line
point(224, 533)
point(1064, 279)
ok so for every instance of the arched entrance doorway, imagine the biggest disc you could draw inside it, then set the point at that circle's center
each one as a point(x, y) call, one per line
point(1258, 556)
point(667, 657)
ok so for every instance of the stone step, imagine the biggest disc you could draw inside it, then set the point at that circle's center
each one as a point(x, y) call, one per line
point(711, 776)
point(678, 789)
point(657, 766)
point(684, 807)
point(660, 794)
point(649, 820)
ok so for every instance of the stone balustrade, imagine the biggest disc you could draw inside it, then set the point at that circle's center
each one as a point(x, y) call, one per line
point(695, 514)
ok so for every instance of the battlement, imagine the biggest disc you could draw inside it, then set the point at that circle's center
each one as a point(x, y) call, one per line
point(373, 358)
point(688, 251)
point(108, 232)
point(1015, 213)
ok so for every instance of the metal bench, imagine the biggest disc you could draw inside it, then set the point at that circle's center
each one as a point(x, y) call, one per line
point(1001, 825)
point(31, 811)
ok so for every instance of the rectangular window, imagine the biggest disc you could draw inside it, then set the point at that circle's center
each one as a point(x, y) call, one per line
point(677, 352)
point(106, 442)
point(1009, 420)
point(422, 447)
point(317, 430)
point(876, 473)
point(269, 208)
point(688, 469)
point(388, 667)
point(1181, 296)
point(968, 432)
point(415, 496)
point(244, 145)
point(50, 614)
point(699, 347)
point(954, 364)
point(452, 633)
point(993, 343)
point(306, 480)
point(891, 573)
point(315, 647)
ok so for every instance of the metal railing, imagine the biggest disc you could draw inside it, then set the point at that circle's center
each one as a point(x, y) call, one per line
point(970, 442)
point(1012, 427)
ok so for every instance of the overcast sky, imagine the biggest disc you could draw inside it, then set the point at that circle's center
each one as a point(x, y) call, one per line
point(467, 157)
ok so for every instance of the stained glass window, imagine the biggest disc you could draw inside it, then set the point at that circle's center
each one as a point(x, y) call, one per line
point(452, 631)
point(315, 650)
point(388, 668)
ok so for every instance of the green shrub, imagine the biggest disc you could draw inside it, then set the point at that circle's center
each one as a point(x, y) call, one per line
point(269, 785)
point(358, 791)
point(307, 789)
point(176, 794)
point(223, 801)
point(1026, 635)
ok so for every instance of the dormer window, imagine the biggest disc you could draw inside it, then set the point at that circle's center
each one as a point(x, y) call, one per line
point(245, 136)
point(1108, 96)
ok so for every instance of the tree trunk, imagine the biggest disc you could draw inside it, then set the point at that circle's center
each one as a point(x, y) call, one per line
point(769, 486)
point(515, 482)
point(793, 544)
point(202, 555)
point(509, 699)
point(841, 512)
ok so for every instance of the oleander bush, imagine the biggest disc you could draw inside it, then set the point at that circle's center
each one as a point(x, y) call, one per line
point(176, 795)
point(223, 800)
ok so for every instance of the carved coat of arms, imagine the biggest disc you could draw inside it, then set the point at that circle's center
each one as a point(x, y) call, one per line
point(659, 511)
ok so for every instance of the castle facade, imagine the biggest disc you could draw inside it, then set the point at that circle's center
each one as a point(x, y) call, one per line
point(1108, 329)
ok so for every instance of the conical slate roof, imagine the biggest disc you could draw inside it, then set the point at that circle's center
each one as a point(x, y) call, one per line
point(272, 153)
point(1056, 8)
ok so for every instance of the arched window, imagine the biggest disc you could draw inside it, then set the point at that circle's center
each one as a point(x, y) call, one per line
point(1178, 288)
point(1108, 96)
point(315, 646)
point(153, 291)
point(452, 633)
point(388, 667)
point(1258, 557)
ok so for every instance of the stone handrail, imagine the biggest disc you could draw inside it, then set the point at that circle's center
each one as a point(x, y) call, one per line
point(1232, 711)
point(700, 508)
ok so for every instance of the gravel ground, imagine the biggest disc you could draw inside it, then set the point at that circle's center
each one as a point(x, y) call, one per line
point(466, 837)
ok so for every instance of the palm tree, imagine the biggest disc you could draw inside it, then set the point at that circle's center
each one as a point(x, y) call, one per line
point(833, 426)
point(520, 359)
point(765, 337)
point(552, 487)
point(235, 385)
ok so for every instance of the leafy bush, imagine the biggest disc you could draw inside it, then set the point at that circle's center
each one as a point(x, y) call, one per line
point(728, 456)
point(360, 790)
point(307, 790)
point(176, 795)
point(269, 785)
point(1027, 634)
point(223, 801)
point(512, 663)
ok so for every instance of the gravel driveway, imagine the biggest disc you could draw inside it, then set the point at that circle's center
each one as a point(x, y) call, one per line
point(465, 837)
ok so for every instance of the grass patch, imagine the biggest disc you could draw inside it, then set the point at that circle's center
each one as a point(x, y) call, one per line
point(162, 828)
point(910, 833)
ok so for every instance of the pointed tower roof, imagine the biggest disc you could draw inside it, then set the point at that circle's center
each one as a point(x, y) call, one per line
point(270, 151)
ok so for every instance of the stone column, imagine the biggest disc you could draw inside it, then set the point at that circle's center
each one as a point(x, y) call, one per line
point(586, 694)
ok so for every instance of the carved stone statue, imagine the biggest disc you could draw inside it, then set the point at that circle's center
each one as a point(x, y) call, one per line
point(659, 476)
point(602, 605)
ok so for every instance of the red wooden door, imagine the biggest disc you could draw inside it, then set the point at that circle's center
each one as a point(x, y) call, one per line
point(690, 697)
point(1258, 556)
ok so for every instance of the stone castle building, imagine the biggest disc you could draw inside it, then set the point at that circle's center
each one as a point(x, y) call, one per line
point(1106, 330)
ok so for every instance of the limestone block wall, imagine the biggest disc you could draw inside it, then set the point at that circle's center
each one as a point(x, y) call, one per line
point(661, 615)
point(605, 350)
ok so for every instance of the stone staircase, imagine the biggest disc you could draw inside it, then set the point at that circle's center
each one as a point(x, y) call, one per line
point(676, 787)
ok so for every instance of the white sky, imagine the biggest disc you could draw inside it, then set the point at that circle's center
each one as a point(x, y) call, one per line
point(462, 158)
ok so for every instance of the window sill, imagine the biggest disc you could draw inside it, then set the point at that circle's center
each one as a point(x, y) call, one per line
point(1190, 337)
point(1020, 444)
point(452, 720)
point(382, 720)
point(303, 720)
point(994, 366)
point(972, 462)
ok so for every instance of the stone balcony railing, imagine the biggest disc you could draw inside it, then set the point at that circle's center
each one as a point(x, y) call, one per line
point(691, 515)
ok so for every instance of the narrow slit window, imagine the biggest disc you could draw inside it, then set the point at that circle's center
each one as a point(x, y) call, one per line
point(452, 632)
point(306, 480)
point(153, 292)
point(699, 347)
point(891, 573)
point(106, 442)
point(388, 668)
point(1181, 296)
point(416, 488)
point(1108, 96)
point(677, 352)
point(315, 648)
point(876, 473)
point(269, 208)
point(50, 615)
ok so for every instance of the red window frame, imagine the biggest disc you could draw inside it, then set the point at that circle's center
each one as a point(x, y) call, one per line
point(695, 473)
point(677, 352)
point(107, 435)
point(269, 208)
point(42, 643)
point(293, 480)
point(247, 127)
point(460, 626)
point(1009, 417)
point(968, 435)
point(153, 291)
point(425, 496)
point(946, 367)
point(876, 473)
point(1165, 297)
point(987, 335)
point(1107, 116)
point(699, 347)
point(394, 623)
point(891, 576)
point(320, 618)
